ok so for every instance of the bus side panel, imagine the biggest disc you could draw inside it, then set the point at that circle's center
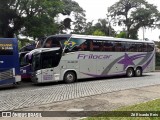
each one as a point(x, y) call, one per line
point(87, 66)
point(7, 81)
point(16, 61)
point(149, 66)
point(69, 62)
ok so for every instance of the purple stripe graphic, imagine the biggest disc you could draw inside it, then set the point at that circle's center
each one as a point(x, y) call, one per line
point(145, 65)
point(126, 60)
point(94, 75)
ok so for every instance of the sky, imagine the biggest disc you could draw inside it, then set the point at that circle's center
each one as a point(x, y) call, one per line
point(96, 9)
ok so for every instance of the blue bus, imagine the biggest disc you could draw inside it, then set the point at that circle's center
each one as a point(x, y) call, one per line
point(25, 63)
point(9, 61)
point(25, 66)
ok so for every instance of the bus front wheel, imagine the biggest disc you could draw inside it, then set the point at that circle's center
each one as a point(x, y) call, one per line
point(69, 77)
point(130, 72)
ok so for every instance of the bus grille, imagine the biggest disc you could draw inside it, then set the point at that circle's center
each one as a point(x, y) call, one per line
point(6, 74)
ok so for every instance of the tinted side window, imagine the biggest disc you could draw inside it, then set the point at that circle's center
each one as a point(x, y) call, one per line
point(84, 46)
point(150, 47)
point(139, 47)
point(108, 46)
point(131, 47)
point(144, 49)
point(119, 46)
point(96, 45)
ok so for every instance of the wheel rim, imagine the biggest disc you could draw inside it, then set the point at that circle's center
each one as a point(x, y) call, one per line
point(130, 73)
point(70, 77)
point(138, 72)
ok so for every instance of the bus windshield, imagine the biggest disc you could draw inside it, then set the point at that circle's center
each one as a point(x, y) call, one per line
point(46, 60)
point(22, 59)
point(36, 64)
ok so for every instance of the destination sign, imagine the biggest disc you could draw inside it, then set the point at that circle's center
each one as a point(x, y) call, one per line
point(6, 47)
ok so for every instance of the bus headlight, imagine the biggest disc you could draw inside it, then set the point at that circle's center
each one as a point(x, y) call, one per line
point(38, 72)
point(24, 71)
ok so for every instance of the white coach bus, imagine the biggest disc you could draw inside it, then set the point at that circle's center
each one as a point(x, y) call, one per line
point(71, 57)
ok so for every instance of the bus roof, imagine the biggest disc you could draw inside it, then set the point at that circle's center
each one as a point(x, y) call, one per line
point(98, 38)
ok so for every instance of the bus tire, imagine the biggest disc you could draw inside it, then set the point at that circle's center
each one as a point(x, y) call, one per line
point(69, 77)
point(138, 72)
point(130, 72)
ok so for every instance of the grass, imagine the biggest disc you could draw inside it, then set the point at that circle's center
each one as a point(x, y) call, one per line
point(148, 106)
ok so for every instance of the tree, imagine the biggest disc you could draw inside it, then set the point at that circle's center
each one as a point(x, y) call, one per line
point(72, 8)
point(102, 25)
point(121, 35)
point(134, 14)
point(80, 22)
point(30, 17)
point(89, 28)
point(36, 18)
point(98, 33)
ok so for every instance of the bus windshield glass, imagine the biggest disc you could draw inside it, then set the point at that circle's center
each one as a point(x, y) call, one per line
point(36, 64)
point(46, 60)
point(22, 59)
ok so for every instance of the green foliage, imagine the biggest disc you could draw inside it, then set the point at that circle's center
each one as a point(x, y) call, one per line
point(30, 17)
point(105, 27)
point(121, 35)
point(72, 8)
point(40, 26)
point(134, 14)
point(98, 33)
point(23, 42)
point(36, 18)
point(102, 25)
point(89, 28)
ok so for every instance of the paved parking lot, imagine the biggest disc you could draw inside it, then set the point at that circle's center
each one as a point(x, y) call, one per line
point(30, 95)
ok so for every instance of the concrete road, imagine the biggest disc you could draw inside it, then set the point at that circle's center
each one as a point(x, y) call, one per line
point(28, 94)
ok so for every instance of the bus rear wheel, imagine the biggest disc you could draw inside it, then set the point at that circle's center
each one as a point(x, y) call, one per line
point(69, 77)
point(130, 72)
point(138, 72)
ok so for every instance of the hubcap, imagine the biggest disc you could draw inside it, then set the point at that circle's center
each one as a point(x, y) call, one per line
point(138, 72)
point(70, 77)
point(130, 73)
